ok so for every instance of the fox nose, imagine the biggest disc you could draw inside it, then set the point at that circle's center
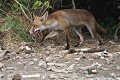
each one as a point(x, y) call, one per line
point(31, 32)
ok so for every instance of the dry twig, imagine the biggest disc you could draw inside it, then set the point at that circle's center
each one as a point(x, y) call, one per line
point(21, 6)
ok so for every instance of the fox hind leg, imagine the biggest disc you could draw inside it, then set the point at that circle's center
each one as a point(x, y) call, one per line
point(78, 32)
point(91, 31)
point(94, 34)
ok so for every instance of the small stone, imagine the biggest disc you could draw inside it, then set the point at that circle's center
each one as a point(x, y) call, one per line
point(28, 51)
point(84, 49)
point(78, 53)
point(111, 42)
point(56, 64)
point(91, 71)
point(19, 63)
point(48, 59)
point(35, 59)
point(18, 57)
point(47, 52)
point(31, 63)
point(118, 68)
point(4, 53)
point(64, 51)
point(105, 69)
point(1, 65)
point(89, 76)
point(95, 56)
point(53, 76)
point(27, 56)
point(27, 48)
point(77, 59)
point(58, 56)
point(72, 51)
point(42, 64)
point(94, 71)
point(1, 75)
point(53, 49)
point(74, 76)
point(36, 67)
point(17, 77)
point(110, 61)
point(48, 47)
point(21, 48)
point(32, 76)
point(113, 75)
point(118, 78)
point(11, 68)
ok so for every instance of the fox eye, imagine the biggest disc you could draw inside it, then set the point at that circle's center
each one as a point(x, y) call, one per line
point(41, 20)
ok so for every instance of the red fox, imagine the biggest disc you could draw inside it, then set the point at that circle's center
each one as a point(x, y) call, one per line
point(67, 18)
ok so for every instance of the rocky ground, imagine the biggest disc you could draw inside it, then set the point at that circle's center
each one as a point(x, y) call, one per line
point(30, 61)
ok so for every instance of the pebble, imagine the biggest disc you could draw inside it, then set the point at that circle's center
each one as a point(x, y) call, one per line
point(1, 65)
point(55, 56)
point(77, 59)
point(3, 53)
point(91, 71)
point(118, 68)
point(1, 75)
point(53, 76)
point(64, 51)
point(95, 56)
point(27, 48)
point(35, 59)
point(20, 48)
point(31, 63)
point(42, 64)
point(17, 77)
point(56, 64)
point(113, 75)
point(109, 61)
point(27, 55)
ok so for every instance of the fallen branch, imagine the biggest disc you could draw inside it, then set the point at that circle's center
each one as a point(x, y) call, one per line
point(94, 50)
point(116, 32)
point(86, 50)
point(31, 76)
point(91, 66)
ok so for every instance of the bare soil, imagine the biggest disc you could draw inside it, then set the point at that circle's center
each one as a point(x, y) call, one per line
point(51, 62)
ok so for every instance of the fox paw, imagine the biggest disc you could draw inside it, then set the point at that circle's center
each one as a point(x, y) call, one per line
point(66, 47)
point(99, 42)
point(76, 45)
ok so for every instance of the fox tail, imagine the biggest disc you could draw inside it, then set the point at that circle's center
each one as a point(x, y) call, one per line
point(100, 29)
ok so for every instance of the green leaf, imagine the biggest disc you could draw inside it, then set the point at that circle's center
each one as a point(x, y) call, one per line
point(47, 4)
point(37, 4)
point(25, 1)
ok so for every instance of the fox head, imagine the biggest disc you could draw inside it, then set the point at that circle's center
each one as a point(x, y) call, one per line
point(38, 22)
point(49, 23)
point(45, 22)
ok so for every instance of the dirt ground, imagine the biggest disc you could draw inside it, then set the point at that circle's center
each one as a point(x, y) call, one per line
point(51, 62)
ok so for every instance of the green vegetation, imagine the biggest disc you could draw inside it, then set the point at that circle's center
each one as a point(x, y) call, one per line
point(39, 3)
point(110, 25)
point(19, 14)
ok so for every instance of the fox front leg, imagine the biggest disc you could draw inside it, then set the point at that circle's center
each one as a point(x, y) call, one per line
point(67, 34)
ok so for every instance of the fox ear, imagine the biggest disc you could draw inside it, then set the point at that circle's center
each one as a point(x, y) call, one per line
point(34, 15)
point(45, 15)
